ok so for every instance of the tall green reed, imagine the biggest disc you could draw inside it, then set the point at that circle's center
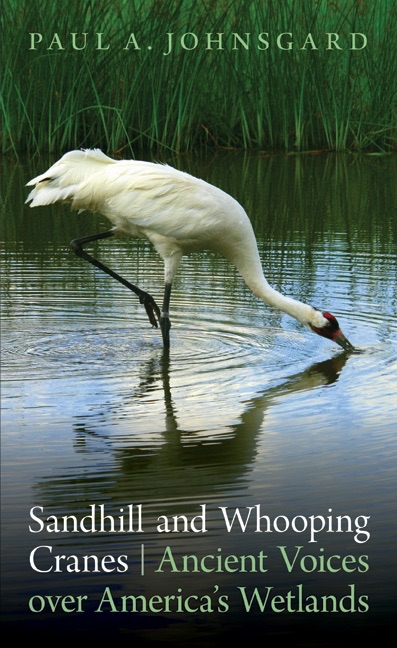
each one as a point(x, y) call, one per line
point(224, 93)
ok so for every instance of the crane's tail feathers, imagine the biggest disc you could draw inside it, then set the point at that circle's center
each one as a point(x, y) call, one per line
point(60, 182)
point(48, 194)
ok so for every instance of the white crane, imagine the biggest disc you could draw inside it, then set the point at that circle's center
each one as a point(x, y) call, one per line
point(178, 213)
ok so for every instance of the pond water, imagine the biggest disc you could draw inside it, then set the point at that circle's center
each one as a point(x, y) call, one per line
point(250, 414)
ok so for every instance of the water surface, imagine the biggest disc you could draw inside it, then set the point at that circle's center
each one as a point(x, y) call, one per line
point(249, 410)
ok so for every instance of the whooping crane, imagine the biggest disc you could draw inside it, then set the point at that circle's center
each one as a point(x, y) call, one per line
point(179, 214)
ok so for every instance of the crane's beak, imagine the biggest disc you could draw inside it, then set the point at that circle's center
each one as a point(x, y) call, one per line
point(340, 339)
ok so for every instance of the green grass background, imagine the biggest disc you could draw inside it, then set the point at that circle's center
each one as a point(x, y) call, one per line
point(122, 100)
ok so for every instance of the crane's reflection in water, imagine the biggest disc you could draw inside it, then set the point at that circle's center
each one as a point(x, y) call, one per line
point(232, 451)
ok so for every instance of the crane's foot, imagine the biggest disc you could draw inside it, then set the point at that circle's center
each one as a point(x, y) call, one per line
point(152, 310)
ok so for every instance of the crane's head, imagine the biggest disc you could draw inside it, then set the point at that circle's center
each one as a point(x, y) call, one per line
point(329, 328)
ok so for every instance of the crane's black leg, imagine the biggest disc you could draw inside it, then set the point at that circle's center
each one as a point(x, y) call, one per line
point(147, 300)
point(165, 323)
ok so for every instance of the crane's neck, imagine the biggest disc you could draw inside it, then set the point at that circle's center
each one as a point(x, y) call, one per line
point(251, 270)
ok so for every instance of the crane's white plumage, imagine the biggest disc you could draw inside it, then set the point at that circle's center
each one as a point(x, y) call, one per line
point(177, 212)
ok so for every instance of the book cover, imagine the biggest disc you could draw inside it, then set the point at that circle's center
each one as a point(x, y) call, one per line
point(238, 483)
